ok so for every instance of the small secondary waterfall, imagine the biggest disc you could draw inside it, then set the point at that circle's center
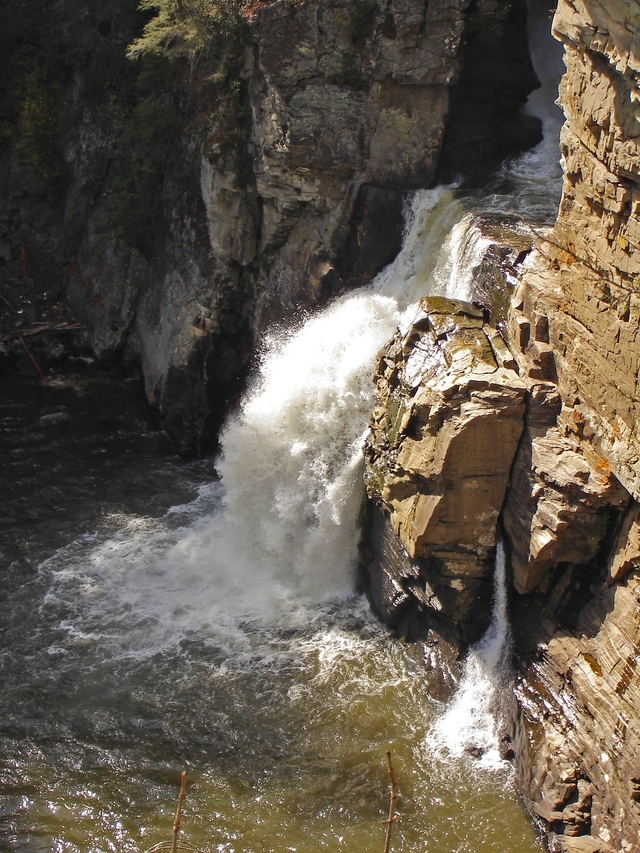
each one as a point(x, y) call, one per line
point(470, 724)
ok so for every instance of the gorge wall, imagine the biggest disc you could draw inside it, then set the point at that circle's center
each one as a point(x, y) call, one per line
point(177, 204)
point(575, 325)
point(546, 392)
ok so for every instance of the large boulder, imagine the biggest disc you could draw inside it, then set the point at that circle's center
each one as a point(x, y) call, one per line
point(443, 437)
point(562, 493)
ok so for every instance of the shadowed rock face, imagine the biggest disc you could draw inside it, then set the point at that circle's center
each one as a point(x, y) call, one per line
point(280, 188)
point(485, 123)
point(402, 592)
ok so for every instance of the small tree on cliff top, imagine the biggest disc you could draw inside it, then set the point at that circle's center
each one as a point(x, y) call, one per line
point(180, 26)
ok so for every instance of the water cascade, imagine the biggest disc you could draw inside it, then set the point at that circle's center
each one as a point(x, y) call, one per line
point(470, 723)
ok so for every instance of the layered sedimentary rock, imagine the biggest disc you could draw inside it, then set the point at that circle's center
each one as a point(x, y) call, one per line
point(443, 436)
point(596, 242)
point(571, 532)
point(279, 167)
point(571, 513)
point(577, 741)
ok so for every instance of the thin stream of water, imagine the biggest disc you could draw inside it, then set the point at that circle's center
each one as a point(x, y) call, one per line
point(470, 723)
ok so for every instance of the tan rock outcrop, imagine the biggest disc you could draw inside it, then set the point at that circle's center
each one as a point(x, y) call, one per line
point(593, 255)
point(574, 320)
point(443, 437)
point(561, 496)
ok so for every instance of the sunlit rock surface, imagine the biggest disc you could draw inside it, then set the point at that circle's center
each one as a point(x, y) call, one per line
point(571, 514)
point(577, 742)
point(568, 500)
point(443, 437)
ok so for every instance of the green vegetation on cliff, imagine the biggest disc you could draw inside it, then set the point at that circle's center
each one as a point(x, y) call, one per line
point(127, 66)
point(179, 26)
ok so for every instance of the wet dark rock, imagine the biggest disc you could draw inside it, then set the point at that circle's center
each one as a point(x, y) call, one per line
point(486, 123)
point(508, 241)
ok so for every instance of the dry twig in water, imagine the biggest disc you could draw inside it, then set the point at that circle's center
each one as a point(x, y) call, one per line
point(392, 803)
point(33, 361)
point(176, 823)
point(174, 845)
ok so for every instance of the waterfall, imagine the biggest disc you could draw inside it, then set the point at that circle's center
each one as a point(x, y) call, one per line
point(470, 723)
point(277, 536)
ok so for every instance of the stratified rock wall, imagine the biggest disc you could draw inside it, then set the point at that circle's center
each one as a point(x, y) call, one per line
point(578, 740)
point(568, 480)
point(595, 327)
point(571, 513)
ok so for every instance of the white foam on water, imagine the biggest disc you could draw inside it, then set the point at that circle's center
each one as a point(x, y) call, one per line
point(429, 216)
point(285, 537)
point(461, 255)
point(470, 723)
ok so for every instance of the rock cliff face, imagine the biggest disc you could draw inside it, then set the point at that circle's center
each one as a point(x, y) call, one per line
point(569, 515)
point(274, 184)
point(444, 433)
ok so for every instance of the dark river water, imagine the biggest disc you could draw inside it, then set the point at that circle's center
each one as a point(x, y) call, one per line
point(283, 725)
